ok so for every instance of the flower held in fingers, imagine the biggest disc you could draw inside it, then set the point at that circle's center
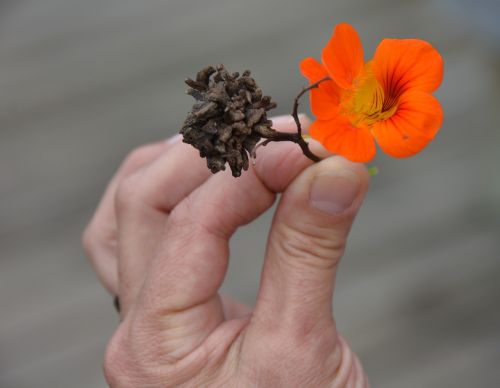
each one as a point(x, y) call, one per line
point(387, 99)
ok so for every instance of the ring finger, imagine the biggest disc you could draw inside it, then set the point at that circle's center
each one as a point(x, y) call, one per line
point(99, 238)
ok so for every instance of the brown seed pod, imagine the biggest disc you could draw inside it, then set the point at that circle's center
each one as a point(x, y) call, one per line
point(228, 119)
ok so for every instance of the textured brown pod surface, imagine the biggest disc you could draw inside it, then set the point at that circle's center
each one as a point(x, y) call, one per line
point(228, 119)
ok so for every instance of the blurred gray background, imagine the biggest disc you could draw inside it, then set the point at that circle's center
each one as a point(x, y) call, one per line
point(84, 82)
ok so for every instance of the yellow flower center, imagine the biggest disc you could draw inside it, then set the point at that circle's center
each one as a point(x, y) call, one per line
point(366, 103)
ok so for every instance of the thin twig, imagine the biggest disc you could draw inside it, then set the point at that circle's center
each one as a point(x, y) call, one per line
point(295, 114)
point(253, 153)
point(297, 137)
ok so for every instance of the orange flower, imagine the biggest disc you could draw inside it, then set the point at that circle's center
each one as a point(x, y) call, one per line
point(387, 99)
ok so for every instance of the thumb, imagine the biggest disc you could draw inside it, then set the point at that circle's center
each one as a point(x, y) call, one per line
point(306, 242)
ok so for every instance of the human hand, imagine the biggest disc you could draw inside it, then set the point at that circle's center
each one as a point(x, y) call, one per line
point(159, 240)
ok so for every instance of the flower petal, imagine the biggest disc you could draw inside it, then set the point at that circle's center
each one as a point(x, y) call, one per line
point(339, 136)
point(343, 55)
point(412, 127)
point(324, 105)
point(312, 69)
point(326, 98)
point(402, 64)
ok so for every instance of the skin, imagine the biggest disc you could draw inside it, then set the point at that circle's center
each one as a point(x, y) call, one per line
point(159, 240)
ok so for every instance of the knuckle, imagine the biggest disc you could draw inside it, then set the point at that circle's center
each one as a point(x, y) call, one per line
point(88, 240)
point(122, 366)
point(115, 365)
point(128, 192)
point(138, 155)
point(314, 245)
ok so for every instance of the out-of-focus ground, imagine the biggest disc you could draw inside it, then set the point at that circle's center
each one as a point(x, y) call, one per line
point(83, 82)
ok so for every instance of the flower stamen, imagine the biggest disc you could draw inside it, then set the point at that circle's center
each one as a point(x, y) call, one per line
point(367, 103)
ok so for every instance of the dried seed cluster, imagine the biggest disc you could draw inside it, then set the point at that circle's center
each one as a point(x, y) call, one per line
point(228, 119)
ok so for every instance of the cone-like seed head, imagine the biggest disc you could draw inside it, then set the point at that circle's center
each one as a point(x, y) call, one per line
point(228, 118)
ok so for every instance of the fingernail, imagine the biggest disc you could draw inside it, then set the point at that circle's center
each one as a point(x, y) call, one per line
point(334, 192)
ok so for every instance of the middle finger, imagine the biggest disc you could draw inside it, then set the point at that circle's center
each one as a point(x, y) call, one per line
point(141, 218)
